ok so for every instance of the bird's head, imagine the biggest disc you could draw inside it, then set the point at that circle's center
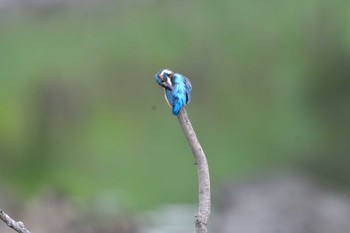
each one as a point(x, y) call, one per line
point(163, 78)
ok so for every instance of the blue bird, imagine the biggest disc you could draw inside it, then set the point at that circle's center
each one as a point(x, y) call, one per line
point(177, 89)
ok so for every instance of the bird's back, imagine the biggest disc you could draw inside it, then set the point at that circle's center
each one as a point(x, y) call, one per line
point(181, 92)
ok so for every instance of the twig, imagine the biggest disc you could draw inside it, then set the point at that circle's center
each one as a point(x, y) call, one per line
point(17, 226)
point(202, 216)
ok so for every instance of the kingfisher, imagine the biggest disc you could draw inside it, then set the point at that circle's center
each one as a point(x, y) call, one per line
point(177, 89)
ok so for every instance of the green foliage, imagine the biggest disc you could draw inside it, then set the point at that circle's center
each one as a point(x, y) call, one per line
point(80, 109)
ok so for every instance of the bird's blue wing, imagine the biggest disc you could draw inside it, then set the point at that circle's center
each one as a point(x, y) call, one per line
point(179, 98)
point(178, 104)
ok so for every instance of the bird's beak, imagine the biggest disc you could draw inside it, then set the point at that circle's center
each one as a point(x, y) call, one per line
point(168, 84)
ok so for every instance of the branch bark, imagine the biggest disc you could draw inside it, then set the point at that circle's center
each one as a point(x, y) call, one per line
point(17, 226)
point(202, 216)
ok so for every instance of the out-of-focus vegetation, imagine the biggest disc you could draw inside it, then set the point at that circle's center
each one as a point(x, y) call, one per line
point(80, 110)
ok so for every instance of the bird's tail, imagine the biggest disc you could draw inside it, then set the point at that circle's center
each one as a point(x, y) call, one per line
point(176, 108)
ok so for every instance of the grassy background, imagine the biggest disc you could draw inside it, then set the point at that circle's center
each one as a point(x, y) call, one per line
point(80, 110)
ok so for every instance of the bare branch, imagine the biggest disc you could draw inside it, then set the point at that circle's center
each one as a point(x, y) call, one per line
point(17, 226)
point(201, 218)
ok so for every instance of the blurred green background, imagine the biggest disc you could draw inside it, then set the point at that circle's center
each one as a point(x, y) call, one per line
point(80, 110)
